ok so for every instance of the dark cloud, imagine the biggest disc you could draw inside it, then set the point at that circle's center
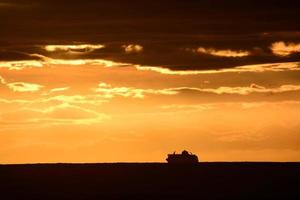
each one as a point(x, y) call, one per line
point(162, 28)
point(9, 56)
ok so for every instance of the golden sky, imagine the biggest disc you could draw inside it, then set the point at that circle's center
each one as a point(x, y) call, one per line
point(131, 82)
point(56, 110)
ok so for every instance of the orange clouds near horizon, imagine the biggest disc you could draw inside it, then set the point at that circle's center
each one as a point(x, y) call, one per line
point(57, 110)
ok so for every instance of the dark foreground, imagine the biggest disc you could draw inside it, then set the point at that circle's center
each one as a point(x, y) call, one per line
point(151, 181)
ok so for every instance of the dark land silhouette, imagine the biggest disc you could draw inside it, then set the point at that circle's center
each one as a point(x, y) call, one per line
point(151, 181)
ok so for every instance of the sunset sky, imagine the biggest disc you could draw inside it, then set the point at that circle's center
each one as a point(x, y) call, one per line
point(130, 81)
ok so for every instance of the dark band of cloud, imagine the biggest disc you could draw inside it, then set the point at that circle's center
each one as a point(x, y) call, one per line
point(162, 31)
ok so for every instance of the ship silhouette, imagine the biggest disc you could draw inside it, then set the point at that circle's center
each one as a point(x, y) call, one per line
point(184, 157)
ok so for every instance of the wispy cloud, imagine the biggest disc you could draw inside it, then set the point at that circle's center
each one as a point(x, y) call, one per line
point(46, 61)
point(55, 90)
point(24, 87)
point(133, 48)
point(19, 65)
point(59, 89)
point(75, 99)
point(285, 49)
point(105, 91)
point(188, 106)
point(92, 99)
point(274, 67)
point(222, 53)
point(108, 91)
point(253, 88)
point(79, 47)
point(222, 105)
point(21, 86)
point(54, 115)
point(51, 61)
point(2, 80)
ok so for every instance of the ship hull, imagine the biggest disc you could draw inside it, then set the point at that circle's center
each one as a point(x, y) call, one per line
point(179, 159)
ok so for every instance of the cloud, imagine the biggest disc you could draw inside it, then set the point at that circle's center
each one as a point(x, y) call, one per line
point(14, 101)
point(59, 89)
point(79, 47)
point(19, 65)
point(197, 107)
point(21, 86)
point(222, 53)
point(60, 114)
point(72, 112)
point(222, 105)
point(106, 91)
point(54, 90)
point(2, 80)
point(46, 61)
point(51, 61)
point(105, 63)
point(24, 87)
point(76, 99)
point(273, 67)
point(253, 88)
point(109, 92)
point(285, 49)
point(94, 99)
point(133, 48)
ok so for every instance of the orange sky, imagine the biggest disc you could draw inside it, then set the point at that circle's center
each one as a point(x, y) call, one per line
point(100, 111)
point(120, 81)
